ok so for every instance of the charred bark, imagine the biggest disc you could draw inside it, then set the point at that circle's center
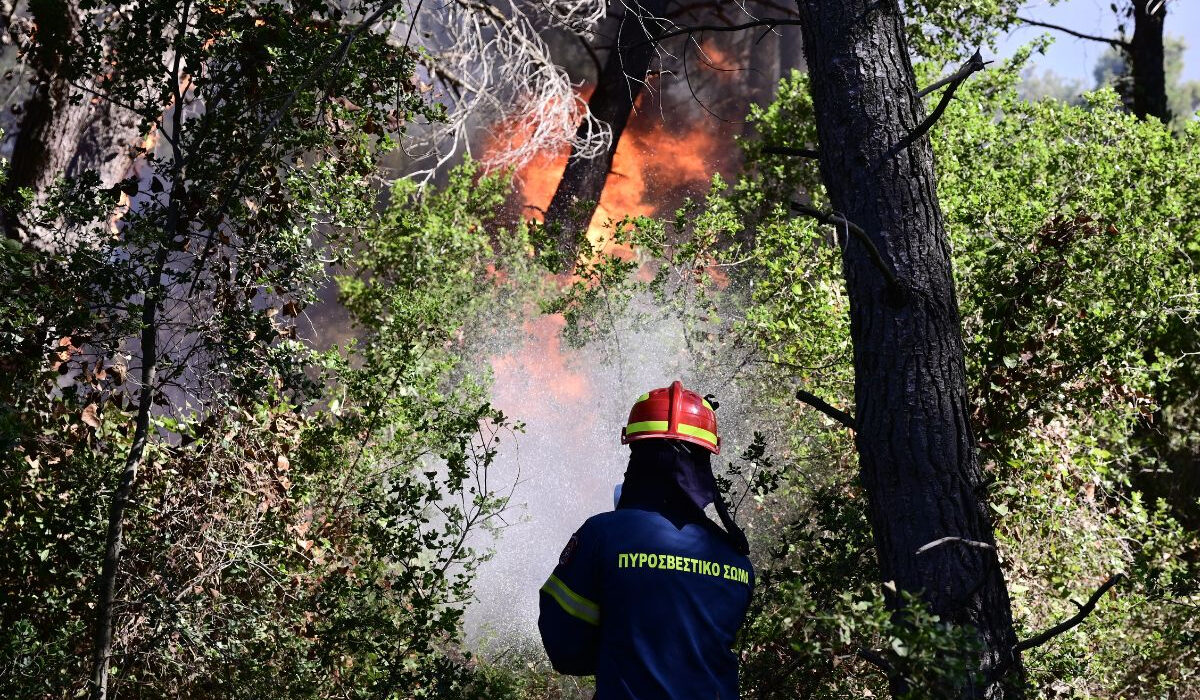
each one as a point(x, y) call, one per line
point(51, 124)
point(917, 454)
point(61, 132)
point(617, 88)
point(1146, 59)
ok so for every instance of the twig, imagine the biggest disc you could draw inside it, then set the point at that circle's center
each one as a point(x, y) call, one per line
point(877, 660)
point(836, 219)
point(688, 80)
point(767, 22)
point(1107, 40)
point(825, 407)
point(943, 540)
point(789, 151)
point(1084, 611)
point(973, 64)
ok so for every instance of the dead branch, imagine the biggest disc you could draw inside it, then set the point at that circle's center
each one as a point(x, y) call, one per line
point(1084, 611)
point(825, 407)
point(770, 22)
point(835, 219)
point(944, 540)
point(789, 151)
point(490, 64)
point(973, 64)
point(1058, 28)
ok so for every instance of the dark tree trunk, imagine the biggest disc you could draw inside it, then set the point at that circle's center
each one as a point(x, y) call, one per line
point(102, 639)
point(57, 137)
point(1146, 60)
point(617, 87)
point(917, 454)
point(51, 126)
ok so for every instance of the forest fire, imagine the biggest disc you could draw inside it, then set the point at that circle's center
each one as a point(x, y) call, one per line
point(305, 424)
point(569, 446)
point(656, 165)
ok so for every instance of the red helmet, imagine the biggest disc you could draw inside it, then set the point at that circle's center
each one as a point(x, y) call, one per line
point(676, 414)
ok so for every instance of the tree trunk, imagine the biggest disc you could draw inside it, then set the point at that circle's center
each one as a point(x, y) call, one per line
point(1146, 61)
point(917, 454)
point(51, 125)
point(57, 137)
point(617, 87)
point(123, 496)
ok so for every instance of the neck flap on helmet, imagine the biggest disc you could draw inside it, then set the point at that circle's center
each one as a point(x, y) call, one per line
point(677, 479)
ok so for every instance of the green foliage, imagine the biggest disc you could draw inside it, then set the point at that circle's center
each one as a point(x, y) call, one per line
point(1071, 228)
point(1183, 96)
point(1073, 231)
point(947, 32)
point(281, 550)
point(303, 524)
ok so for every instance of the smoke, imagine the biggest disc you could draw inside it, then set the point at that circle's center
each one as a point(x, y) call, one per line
point(573, 403)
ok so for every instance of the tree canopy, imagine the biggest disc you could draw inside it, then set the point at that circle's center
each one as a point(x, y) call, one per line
point(250, 444)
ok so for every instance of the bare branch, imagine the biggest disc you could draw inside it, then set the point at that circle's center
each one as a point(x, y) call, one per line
point(489, 65)
point(825, 407)
point(836, 219)
point(789, 151)
point(1084, 611)
point(770, 22)
point(973, 64)
point(876, 659)
point(943, 540)
point(687, 79)
point(1058, 28)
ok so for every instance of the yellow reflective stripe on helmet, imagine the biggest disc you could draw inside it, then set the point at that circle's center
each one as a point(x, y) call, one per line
point(697, 432)
point(645, 426)
point(643, 397)
point(570, 601)
point(707, 404)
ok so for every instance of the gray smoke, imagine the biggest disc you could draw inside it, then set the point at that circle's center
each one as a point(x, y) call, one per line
point(574, 403)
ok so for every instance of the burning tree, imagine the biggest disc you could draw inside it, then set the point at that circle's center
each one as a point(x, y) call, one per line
point(914, 418)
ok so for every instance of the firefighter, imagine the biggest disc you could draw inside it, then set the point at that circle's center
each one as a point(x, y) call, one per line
point(649, 597)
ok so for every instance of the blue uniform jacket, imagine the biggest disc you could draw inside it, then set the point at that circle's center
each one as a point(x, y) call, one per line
point(649, 606)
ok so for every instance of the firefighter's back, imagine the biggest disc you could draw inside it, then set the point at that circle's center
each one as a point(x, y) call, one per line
point(673, 598)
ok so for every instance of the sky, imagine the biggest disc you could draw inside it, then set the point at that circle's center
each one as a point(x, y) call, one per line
point(1074, 58)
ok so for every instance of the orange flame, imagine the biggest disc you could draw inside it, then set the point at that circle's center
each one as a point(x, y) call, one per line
point(652, 169)
point(655, 166)
point(542, 364)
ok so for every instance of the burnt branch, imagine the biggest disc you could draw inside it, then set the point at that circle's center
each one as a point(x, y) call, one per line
point(837, 220)
point(974, 63)
point(1090, 37)
point(1084, 611)
point(789, 151)
point(769, 22)
point(825, 407)
point(876, 659)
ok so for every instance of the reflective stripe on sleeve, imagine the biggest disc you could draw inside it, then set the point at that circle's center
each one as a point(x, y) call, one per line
point(570, 601)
